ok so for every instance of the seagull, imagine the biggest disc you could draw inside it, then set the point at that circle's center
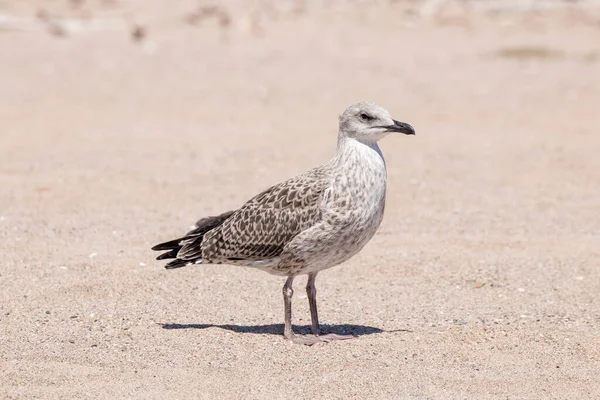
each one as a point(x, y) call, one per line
point(306, 224)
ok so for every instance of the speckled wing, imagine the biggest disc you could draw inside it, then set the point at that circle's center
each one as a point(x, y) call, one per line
point(262, 227)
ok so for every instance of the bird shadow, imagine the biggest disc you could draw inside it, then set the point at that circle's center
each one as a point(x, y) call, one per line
point(277, 329)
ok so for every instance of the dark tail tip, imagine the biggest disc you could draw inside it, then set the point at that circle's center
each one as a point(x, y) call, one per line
point(178, 264)
point(168, 254)
point(170, 245)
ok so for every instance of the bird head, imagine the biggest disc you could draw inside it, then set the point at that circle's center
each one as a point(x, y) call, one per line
point(369, 122)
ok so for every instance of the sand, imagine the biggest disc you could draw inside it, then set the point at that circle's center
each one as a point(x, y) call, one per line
point(124, 122)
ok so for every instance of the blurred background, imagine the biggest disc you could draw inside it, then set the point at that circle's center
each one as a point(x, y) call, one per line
point(122, 122)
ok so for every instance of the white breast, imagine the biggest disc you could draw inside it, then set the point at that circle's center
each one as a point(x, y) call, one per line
point(351, 210)
point(359, 179)
point(353, 206)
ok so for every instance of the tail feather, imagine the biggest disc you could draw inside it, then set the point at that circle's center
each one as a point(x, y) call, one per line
point(168, 254)
point(178, 263)
point(197, 234)
point(170, 245)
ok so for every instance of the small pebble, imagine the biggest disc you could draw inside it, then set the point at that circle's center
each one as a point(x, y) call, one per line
point(138, 33)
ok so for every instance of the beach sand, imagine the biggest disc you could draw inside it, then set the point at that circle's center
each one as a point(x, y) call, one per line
point(124, 122)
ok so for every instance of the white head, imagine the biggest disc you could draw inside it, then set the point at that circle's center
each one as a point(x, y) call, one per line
point(369, 122)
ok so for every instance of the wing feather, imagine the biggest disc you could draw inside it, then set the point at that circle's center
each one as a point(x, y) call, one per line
point(262, 227)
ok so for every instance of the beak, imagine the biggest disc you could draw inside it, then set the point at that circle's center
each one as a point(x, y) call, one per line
point(401, 127)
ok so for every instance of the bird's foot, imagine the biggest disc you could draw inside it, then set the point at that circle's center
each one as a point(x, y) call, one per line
point(310, 340)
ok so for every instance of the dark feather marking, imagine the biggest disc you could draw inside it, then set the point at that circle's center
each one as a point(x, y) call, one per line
point(177, 264)
point(263, 226)
point(174, 246)
point(169, 254)
point(259, 230)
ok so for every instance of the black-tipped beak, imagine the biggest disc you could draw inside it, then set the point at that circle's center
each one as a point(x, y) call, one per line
point(401, 127)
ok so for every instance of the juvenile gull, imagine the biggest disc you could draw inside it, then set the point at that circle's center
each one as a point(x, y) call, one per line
point(306, 224)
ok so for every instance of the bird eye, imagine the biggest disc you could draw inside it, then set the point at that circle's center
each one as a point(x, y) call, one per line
point(366, 117)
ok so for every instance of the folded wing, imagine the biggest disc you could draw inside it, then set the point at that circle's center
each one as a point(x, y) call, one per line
point(261, 228)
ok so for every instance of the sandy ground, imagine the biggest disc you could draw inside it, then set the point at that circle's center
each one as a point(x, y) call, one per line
point(482, 282)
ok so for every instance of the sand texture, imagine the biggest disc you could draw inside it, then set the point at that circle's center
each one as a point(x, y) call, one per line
point(124, 122)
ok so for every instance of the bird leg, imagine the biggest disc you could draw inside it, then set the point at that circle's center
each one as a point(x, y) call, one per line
point(311, 292)
point(288, 292)
point(288, 332)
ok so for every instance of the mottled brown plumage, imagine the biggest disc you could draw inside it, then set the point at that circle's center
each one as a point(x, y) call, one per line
point(265, 224)
point(259, 230)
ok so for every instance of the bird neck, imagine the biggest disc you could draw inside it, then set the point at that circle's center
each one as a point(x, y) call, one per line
point(350, 148)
